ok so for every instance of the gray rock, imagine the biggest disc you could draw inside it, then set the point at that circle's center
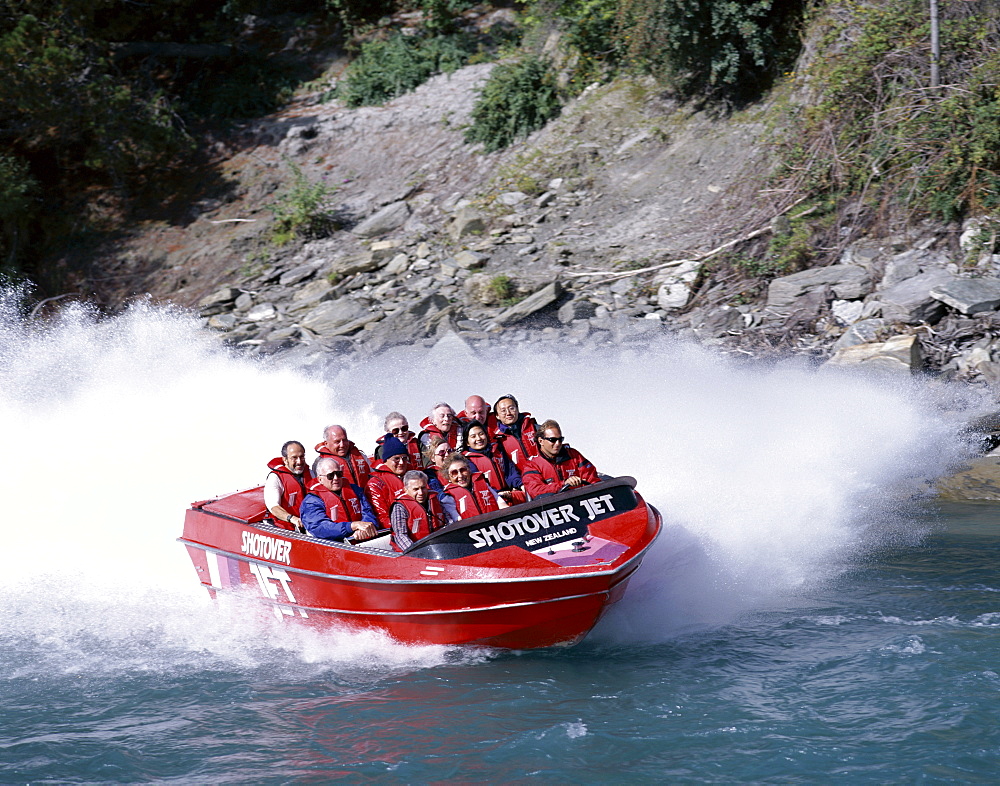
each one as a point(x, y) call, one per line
point(848, 282)
point(467, 260)
point(385, 220)
point(717, 322)
point(532, 304)
point(674, 290)
point(349, 266)
point(332, 314)
point(397, 265)
point(847, 312)
point(576, 309)
point(296, 274)
point(900, 354)
point(384, 249)
point(262, 312)
point(244, 302)
point(467, 222)
point(222, 321)
point(218, 301)
point(863, 332)
point(511, 198)
point(911, 302)
point(479, 288)
point(969, 295)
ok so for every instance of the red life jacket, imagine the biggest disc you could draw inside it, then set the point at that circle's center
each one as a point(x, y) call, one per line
point(545, 476)
point(520, 449)
point(420, 521)
point(382, 489)
point(490, 424)
point(451, 437)
point(489, 466)
point(344, 506)
point(475, 502)
point(355, 464)
point(293, 488)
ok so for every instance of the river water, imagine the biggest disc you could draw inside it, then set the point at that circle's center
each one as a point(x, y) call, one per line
point(808, 613)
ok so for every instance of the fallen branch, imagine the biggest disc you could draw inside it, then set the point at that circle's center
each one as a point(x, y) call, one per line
point(699, 257)
point(38, 306)
point(230, 220)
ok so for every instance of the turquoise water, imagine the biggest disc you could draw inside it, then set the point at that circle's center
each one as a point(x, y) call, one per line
point(806, 616)
point(889, 673)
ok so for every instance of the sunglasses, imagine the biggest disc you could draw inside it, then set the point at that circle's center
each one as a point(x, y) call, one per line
point(459, 471)
point(332, 475)
point(442, 452)
point(399, 430)
point(552, 439)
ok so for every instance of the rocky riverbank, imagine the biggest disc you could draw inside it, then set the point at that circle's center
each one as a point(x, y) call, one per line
point(601, 230)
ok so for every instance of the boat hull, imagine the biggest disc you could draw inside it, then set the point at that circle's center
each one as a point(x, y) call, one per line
point(504, 596)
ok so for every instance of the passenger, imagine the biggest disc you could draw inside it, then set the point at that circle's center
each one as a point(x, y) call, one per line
point(333, 509)
point(397, 425)
point(286, 485)
point(435, 455)
point(415, 513)
point(476, 408)
point(441, 422)
point(515, 431)
point(467, 494)
point(558, 466)
point(355, 463)
point(488, 459)
point(387, 478)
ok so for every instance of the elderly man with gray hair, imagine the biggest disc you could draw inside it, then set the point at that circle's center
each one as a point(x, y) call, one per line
point(333, 509)
point(416, 513)
point(443, 423)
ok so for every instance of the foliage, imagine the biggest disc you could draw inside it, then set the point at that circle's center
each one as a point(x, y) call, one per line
point(439, 15)
point(302, 210)
point(17, 205)
point(517, 99)
point(355, 13)
point(718, 48)
point(386, 69)
point(503, 289)
point(879, 135)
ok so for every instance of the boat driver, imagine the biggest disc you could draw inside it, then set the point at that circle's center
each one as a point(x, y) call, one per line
point(334, 509)
point(557, 467)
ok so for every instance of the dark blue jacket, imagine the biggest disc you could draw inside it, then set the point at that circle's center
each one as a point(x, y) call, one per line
point(313, 514)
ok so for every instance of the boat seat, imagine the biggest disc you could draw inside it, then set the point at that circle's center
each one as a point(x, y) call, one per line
point(384, 543)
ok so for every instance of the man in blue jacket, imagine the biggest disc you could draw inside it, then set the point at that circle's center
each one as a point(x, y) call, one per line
point(334, 509)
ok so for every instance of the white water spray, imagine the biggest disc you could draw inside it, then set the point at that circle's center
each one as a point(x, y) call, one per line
point(766, 476)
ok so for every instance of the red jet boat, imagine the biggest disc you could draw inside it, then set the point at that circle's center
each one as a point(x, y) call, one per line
point(533, 575)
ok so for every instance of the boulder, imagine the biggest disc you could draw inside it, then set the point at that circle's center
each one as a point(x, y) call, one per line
point(333, 314)
point(296, 274)
point(848, 282)
point(262, 312)
point(467, 222)
point(969, 295)
point(219, 301)
point(359, 263)
point(675, 289)
point(900, 267)
point(385, 220)
point(900, 354)
point(532, 304)
point(398, 264)
point(576, 309)
point(467, 260)
point(511, 198)
point(863, 332)
point(911, 301)
point(384, 249)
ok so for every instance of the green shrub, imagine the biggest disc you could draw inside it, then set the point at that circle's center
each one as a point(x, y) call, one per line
point(303, 210)
point(401, 63)
point(716, 48)
point(879, 135)
point(517, 99)
point(17, 192)
point(502, 288)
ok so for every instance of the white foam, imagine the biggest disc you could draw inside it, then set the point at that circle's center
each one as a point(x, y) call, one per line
point(768, 476)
